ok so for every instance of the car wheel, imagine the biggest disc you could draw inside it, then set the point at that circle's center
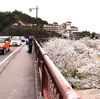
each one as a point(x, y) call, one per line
point(4, 51)
point(9, 49)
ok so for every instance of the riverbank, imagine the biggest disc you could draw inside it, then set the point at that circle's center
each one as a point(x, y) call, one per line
point(90, 93)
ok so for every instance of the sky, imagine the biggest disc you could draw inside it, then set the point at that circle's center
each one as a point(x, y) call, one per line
point(84, 14)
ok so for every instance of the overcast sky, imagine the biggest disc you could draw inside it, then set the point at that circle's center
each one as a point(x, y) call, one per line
point(84, 14)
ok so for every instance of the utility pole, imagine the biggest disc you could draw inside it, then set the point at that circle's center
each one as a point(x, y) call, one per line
point(36, 34)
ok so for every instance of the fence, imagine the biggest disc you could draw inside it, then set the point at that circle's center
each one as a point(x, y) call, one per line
point(54, 85)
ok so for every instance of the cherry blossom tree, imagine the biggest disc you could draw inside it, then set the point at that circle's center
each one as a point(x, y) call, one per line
point(77, 60)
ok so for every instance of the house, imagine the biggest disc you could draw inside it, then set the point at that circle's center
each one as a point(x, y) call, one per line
point(23, 24)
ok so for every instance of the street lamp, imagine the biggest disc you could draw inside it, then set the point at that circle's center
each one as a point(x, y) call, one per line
point(30, 10)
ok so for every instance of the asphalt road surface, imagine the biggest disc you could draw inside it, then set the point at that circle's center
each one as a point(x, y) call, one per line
point(2, 56)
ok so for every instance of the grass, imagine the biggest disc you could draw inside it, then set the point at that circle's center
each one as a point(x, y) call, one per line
point(82, 76)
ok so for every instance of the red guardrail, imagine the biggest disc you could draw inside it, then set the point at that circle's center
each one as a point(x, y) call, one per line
point(54, 85)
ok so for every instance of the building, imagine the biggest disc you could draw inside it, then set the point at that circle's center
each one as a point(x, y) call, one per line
point(77, 35)
point(52, 27)
point(97, 36)
point(65, 29)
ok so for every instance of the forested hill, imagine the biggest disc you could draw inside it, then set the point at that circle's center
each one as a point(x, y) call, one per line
point(8, 18)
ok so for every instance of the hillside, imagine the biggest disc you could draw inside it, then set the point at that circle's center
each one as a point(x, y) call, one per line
point(8, 18)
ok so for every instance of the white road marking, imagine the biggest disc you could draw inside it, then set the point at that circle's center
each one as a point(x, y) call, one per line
point(18, 81)
point(14, 91)
point(11, 54)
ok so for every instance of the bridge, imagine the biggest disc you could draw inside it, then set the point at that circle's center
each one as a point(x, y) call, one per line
point(33, 76)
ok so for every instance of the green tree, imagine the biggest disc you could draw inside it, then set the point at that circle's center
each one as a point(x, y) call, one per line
point(93, 35)
point(86, 33)
point(16, 18)
point(8, 18)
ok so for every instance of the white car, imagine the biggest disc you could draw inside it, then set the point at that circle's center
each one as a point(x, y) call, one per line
point(23, 39)
point(16, 40)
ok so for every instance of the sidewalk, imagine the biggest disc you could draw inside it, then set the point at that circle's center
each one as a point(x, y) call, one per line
point(20, 78)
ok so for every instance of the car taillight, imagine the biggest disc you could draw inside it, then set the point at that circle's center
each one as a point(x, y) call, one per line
point(1, 47)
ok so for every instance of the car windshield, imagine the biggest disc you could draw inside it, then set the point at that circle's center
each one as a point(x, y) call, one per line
point(15, 38)
point(22, 37)
point(2, 40)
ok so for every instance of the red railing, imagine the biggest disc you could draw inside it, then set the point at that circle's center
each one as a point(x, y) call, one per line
point(54, 85)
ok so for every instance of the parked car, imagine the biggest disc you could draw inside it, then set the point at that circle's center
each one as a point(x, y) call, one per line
point(23, 39)
point(16, 40)
point(4, 44)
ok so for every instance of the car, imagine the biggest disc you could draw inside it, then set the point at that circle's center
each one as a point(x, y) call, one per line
point(16, 40)
point(4, 44)
point(23, 39)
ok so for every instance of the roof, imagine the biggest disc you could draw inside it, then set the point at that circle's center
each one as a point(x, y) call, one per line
point(73, 26)
point(68, 22)
point(4, 36)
